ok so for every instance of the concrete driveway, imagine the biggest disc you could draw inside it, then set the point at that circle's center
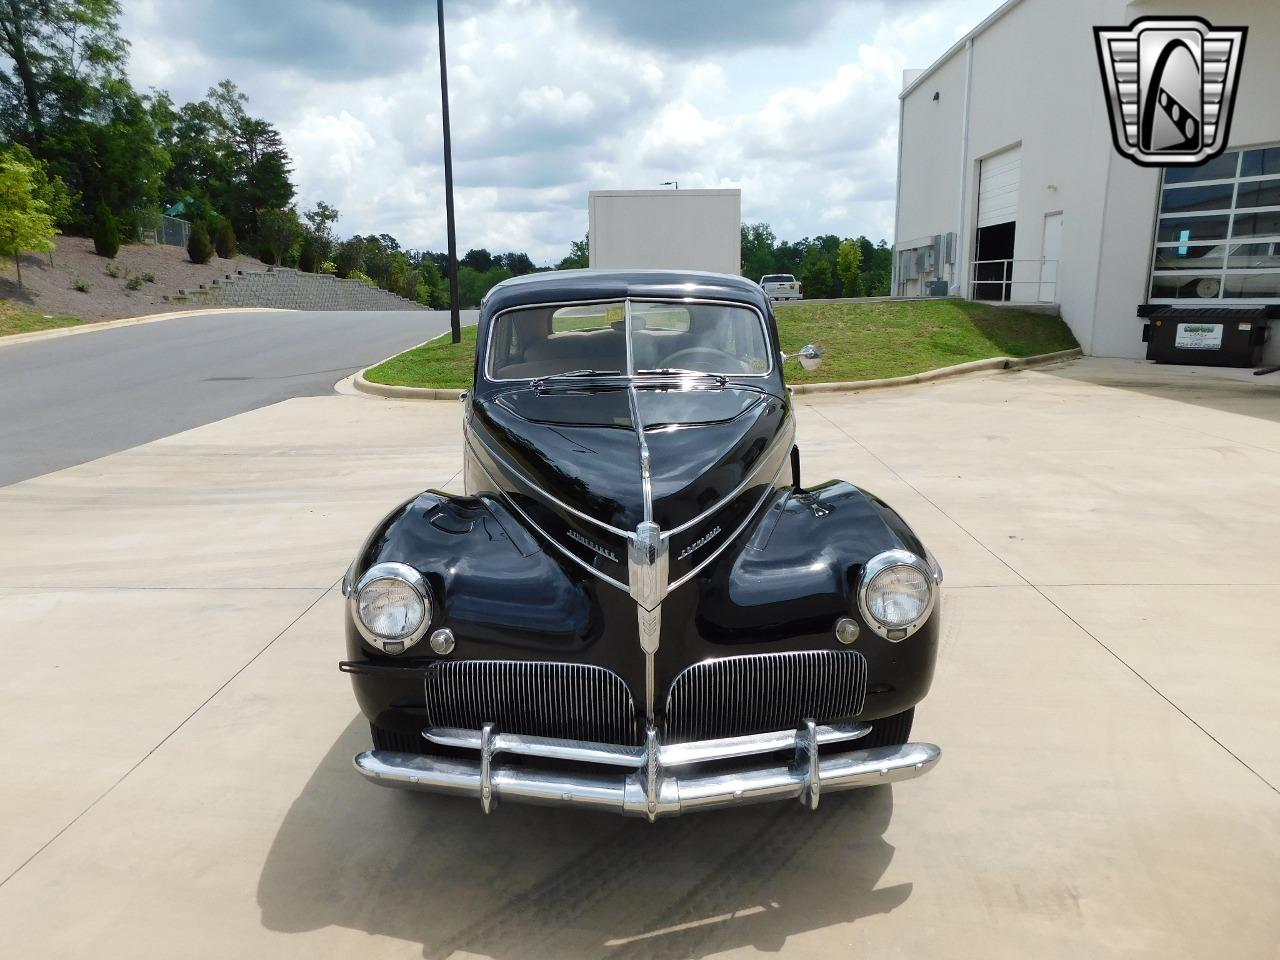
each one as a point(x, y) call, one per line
point(176, 739)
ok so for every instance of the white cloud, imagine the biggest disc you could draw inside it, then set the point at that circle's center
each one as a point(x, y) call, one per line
point(552, 98)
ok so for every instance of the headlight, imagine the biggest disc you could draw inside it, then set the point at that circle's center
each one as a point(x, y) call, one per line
point(896, 594)
point(391, 605)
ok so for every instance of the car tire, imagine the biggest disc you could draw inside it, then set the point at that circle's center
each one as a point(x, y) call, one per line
point(889, 731)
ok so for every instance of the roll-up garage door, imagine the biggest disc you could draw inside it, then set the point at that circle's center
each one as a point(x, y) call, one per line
point(998, 184)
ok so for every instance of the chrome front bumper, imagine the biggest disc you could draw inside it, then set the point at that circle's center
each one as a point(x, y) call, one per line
point(653, 780)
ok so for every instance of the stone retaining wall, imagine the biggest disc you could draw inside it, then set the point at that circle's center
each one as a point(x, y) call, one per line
point(286, 289)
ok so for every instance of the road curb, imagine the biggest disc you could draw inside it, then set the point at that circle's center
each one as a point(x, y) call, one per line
point(17, 338)
point(361, 385)
point(942, 373)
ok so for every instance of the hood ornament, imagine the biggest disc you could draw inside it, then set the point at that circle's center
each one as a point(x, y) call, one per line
point(647, 564)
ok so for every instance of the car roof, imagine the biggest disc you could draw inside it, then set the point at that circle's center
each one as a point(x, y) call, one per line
point(560, 286)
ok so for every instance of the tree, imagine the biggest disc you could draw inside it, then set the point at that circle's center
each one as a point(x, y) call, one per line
point(320, 220)
point(308, 260)
point(349, 257)
point(816, 273)
point(757, 250)
point(277, 231)
point(224, 239)
point(25, 223)
point(61, 50)
point(106, 234)
point(518, 263)
point(481, 261)
point(199, 247)
point(579, 255)
point(49, 189)
point(256, 160)
point(849, 268)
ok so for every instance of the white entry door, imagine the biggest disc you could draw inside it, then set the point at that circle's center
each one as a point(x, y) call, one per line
point(1051, 252)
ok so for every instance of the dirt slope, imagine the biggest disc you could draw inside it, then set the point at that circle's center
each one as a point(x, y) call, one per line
point(51, 289)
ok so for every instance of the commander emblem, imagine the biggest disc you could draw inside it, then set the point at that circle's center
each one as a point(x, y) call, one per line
point(1170, 84)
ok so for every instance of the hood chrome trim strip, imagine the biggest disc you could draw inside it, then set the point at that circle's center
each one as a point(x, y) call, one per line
point(734, 493)
point(770, 489)
point(532, 523)
point(469, 433)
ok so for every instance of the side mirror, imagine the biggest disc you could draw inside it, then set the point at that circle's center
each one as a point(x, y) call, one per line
point(810, 356)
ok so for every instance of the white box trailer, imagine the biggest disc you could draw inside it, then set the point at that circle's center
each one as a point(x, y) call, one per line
point(666, 229)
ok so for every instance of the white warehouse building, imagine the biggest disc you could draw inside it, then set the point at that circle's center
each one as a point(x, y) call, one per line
point(1010, 186)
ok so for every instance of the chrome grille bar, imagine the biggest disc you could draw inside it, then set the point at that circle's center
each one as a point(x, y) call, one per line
point(564, 700)
point(734, 696)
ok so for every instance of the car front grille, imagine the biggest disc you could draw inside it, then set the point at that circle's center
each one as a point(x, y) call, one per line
point(567, 700)
point(758, 693)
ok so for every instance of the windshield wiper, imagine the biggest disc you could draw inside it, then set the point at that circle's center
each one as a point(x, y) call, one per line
point(575, 375)
point(720, 378)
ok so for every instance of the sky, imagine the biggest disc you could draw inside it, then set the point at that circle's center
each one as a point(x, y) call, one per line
point(793, 101)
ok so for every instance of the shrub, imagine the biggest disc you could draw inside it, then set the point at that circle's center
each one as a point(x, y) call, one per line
point(308, 261)
point(106, 233)
point(133, 283)
point(112, 271)
point(199, 248)
point(224, 240)
point(362, 277)
point(329, 267)
point(149, 277)
point(78, 284)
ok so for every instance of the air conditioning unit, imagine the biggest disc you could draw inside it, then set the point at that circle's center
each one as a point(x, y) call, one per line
point(937, 288)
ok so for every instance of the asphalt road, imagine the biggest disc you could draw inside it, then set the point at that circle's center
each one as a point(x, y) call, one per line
point(67, 400)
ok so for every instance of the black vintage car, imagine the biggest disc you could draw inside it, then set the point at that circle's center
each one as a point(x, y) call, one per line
point(637, 606)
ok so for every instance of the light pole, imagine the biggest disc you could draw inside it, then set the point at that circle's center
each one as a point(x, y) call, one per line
point(455, 323)
point(670, 183)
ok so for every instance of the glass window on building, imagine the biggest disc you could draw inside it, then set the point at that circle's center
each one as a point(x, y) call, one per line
point(1218, 235)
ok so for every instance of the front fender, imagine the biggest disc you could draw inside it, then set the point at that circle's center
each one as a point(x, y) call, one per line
point(798, 574)
point(491, 581)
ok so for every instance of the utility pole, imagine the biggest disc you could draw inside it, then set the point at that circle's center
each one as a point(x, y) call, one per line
point(455, 324)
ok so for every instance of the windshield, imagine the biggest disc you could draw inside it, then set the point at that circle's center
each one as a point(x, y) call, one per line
point(779, 278)
point(592, 339)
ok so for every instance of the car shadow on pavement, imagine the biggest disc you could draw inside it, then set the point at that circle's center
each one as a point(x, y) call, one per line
point(549, 882)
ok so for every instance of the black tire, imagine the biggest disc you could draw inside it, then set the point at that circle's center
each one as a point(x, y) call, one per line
point(888, 732)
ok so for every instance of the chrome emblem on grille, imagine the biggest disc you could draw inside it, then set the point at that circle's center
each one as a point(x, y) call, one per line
point(701, 542)
point(607, 554)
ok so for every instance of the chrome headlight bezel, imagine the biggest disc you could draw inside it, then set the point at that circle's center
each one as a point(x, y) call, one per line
point(407, 575)
point(886, 561)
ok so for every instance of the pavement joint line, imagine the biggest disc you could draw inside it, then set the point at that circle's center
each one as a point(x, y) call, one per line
point(165, 739)
point(1119, 659)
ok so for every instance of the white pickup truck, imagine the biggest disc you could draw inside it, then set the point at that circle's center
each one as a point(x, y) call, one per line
point(782, 286)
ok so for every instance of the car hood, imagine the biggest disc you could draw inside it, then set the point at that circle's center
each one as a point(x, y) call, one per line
point(571, 459)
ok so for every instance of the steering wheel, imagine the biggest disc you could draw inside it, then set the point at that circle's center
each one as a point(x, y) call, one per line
point(706, 359)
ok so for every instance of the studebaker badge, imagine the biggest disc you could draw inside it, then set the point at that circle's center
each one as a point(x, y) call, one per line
point(636, 606)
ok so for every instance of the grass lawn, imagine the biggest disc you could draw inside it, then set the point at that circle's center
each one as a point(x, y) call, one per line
point(860, 341)
point(15, 318)
point(868, 341)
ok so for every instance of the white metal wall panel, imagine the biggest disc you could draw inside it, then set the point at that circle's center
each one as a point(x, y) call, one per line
point(998, 184)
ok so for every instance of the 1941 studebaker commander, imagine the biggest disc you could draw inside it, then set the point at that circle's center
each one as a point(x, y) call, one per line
point(637, 606)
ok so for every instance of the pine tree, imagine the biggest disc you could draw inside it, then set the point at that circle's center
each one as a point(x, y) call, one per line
point(224, 240)
point(199, 248)
point(106, 234)
point(308, 259)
